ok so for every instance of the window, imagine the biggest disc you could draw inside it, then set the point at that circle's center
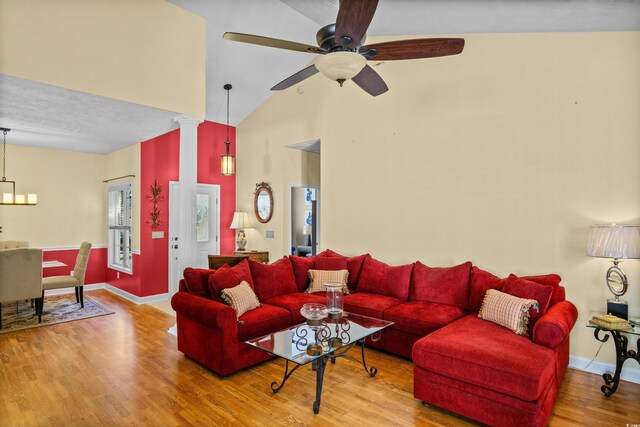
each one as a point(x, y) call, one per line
point(120, 227)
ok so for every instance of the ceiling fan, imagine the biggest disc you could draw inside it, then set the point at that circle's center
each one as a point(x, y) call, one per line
point(343, 54)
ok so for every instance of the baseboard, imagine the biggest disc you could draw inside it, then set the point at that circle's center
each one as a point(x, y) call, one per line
point(628, 373)
point(72, 290)
point(173, 330)
point(134, 298)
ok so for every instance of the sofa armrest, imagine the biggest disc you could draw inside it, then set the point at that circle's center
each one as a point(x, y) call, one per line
point(205, 311)
point(553, 328)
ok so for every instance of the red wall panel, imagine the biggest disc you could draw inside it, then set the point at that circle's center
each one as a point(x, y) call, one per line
point(160, 160)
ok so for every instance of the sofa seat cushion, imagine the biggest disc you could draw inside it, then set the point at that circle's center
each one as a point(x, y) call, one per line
point(421, 318)
point(293, 302)
point(262, 321)
point(372, 305)
point(487, 355)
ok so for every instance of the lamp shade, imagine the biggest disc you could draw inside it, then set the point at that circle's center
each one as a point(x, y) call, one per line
point(241, 221)
point(614, 241)
point(341, 65)
point(227, 167)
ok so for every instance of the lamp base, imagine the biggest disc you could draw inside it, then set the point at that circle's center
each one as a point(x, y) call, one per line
point(618, 308)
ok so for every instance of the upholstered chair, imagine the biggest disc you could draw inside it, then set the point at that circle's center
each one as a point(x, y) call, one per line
point(13, 244)
point(74, 281)
point(21, 277)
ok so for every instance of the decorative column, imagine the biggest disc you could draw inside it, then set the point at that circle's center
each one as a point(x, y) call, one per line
point(187, 248)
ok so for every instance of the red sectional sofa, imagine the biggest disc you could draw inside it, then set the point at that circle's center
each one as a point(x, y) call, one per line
point(462, 363)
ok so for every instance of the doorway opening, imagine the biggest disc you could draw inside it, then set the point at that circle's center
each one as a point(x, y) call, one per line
point(305, 220)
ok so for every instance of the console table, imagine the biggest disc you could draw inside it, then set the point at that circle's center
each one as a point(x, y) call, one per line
point(620, 339)
point(260, 256)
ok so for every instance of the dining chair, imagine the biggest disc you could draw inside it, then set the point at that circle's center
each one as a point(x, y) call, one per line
point(21, 277)
point(73, 281)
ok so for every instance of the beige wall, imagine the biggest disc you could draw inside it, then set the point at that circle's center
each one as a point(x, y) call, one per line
point(147, 52)
point(503, 155)
point(71, 197)
point(121, 163)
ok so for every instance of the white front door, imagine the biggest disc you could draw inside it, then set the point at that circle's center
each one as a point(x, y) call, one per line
point(207, 228)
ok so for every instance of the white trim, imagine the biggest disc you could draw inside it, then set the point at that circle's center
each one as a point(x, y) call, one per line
point(92, 287)
point(173, 330)
point(71, 248)
point(628, 373)
point(134, 298)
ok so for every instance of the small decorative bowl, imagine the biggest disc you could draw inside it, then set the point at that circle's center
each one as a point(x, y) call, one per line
point(313, 311)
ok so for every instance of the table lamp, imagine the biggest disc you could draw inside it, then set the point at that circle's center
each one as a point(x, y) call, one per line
point(616, 242)
point(240, 222)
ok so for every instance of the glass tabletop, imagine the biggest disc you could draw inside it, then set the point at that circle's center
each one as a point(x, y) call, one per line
point(634, 322)
point(303, 343)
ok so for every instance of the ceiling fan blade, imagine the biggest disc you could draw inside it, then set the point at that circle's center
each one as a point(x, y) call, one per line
point(296, 78)
point(269, 42)
point(354, 17)
point(370, 81)
point(412, 49)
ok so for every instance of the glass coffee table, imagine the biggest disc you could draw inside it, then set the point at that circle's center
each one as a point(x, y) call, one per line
point(318, 342)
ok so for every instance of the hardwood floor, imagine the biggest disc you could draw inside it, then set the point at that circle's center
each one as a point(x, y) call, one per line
point(124, 369)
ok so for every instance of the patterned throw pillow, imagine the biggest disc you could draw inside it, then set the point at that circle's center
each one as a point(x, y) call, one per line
point(320, 277)
point(507, 310)
point(241, 298)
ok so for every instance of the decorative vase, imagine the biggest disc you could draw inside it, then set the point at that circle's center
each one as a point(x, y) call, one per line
point(335, 299)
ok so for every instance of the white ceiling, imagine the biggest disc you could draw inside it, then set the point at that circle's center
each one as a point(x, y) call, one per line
point(47, 116)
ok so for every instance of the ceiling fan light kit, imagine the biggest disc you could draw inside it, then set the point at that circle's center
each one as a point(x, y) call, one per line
point(341, 66)
point(341, 54)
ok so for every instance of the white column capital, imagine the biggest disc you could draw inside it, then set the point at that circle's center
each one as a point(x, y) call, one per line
point(186, 120)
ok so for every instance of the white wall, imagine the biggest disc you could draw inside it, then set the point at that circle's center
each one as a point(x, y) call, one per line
point(503, 155)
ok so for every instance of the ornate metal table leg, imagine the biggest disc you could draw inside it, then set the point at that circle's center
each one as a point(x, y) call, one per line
point(372, 371)
point(320, 365)
point(622, 354)
point(275, 387)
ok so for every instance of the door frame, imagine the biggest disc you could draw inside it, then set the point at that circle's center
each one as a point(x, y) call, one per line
point(290, 204)
point(173, 185)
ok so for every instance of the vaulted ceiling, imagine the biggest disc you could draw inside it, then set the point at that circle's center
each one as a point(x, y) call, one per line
point(47, 116)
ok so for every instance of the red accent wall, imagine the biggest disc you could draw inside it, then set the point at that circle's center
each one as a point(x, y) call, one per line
point(95, 268)
point(160, 160)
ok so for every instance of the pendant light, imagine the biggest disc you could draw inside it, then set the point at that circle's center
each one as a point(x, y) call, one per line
point(227, 162)
point(13, 198)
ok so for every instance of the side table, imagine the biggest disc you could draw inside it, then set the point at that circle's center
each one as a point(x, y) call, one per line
point(260, 256)
point(620, 339)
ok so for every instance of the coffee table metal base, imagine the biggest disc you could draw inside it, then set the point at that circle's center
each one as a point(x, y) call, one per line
point(318, 365)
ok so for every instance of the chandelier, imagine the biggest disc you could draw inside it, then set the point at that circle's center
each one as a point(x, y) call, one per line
point(13, 198)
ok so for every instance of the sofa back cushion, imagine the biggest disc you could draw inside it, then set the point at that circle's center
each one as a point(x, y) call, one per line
point(552, 280)
point(448, 285)
point(481, 282)
point(354, 265)
point(331, 263)
point(271, 280)
point(382, 279)
point(228, 277)
point(522, 288)
point(197, 281)
point(301, 267)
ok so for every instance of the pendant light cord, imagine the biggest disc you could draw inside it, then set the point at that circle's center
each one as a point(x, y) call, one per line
point(4, 154)
point(227, 87)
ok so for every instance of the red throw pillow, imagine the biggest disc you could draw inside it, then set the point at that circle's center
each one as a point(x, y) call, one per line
point(197, 281)
point(301, 267)
point(223, 278)
point(522, 288)
point(448, 285)
point(379, 278)
point(552, 280)
point(271, 280)
point(354, 265)
point(243, 271)
point(331, 263)
point(481, 282)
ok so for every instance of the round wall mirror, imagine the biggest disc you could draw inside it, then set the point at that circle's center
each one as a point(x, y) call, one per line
point(263, 202)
